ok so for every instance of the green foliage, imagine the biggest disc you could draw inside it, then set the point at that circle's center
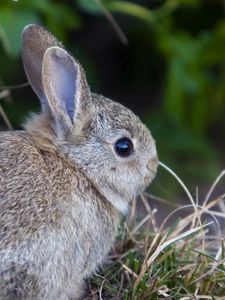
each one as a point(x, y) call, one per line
point(14, 15)
point(91, 7)
point(192, 83)
point(12, 22)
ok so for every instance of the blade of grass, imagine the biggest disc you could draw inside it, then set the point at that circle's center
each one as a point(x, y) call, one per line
point(162, 247)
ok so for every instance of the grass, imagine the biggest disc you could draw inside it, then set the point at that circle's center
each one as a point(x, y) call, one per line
point(183, 261)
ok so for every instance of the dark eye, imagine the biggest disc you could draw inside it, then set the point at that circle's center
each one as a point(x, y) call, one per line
point(124, 147)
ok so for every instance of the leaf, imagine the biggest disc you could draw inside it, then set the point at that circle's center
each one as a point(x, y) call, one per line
point(12, 22)
point(58, 13)
point(131, 9)
point(91, 6)
point(59, 17)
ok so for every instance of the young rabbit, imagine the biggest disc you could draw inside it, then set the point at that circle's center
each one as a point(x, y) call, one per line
point(66, 179)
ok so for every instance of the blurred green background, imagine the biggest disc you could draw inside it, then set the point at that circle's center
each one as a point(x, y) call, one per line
point(164, 59)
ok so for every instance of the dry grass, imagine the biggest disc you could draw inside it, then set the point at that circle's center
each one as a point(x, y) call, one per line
point(184, 261)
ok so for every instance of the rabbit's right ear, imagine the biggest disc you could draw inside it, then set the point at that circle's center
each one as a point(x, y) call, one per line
point(67, 92)
point(35, 41)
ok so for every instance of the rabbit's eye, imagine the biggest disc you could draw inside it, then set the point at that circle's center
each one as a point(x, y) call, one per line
point(124, 147)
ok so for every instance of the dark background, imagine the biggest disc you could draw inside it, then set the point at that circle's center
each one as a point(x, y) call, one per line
point(171, 71)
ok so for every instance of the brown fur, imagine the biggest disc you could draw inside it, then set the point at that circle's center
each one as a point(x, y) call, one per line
point(63, 187)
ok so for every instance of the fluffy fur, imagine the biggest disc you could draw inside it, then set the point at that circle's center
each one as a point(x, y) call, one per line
point(62, 185)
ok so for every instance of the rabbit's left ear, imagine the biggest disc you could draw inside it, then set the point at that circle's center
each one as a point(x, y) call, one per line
point(66, 89)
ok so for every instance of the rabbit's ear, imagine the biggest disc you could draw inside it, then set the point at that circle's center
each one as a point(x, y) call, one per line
point(35, 41)
point(67, 92)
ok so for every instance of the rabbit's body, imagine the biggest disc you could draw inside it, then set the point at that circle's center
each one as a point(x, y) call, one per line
point(60, 234)
point(65, 179)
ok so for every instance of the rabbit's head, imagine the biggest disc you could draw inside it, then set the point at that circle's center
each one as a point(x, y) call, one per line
point(104, 139)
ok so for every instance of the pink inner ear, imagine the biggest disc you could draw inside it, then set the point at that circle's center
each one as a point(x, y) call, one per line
point(62, 80)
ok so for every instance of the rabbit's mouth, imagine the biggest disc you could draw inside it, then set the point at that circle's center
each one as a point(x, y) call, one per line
point(152, 169)
point(148, 179)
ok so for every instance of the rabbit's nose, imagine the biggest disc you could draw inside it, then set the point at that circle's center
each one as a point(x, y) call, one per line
point(153, 164)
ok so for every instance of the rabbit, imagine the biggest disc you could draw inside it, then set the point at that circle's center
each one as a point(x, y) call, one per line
point(66, 179)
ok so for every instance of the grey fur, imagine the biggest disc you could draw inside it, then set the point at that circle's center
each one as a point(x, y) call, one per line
point(62, 186)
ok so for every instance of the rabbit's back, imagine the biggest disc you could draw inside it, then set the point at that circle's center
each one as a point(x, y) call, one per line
point(53, 228)
point(28, 186)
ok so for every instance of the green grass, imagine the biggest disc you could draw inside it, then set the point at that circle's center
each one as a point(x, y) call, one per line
point(184, 261)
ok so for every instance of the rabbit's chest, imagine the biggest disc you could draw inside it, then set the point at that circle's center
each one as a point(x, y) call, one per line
point(91, 230)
